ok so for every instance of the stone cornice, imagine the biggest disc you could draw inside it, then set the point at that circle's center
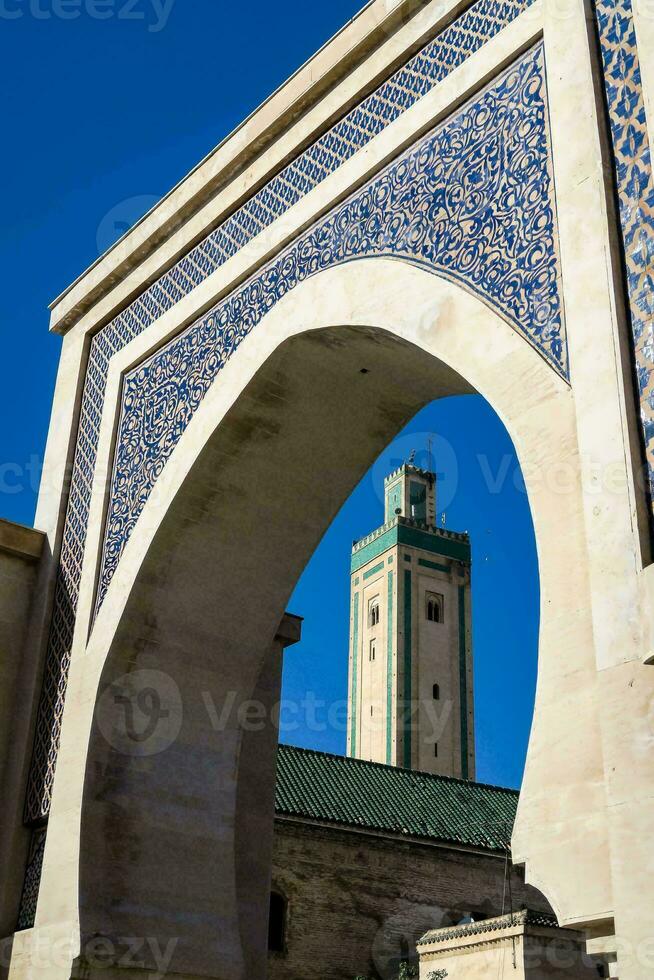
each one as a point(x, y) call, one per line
point(408, 522)
point(484, 929)
point(23, 542)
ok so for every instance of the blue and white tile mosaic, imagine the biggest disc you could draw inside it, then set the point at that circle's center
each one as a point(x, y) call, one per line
point(32, 879)
point(635, 186)
point(476, 25)
point(472, 202)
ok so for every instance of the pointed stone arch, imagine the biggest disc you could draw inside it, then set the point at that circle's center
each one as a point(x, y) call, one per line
point(209, 538)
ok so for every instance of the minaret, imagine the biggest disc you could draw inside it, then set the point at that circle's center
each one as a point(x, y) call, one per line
point(410, 686)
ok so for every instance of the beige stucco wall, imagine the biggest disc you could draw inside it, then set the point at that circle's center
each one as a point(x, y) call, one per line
point(437, 647)
point(501, 949)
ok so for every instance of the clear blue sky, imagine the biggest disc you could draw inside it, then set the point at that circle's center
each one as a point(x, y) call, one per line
point(100, 118)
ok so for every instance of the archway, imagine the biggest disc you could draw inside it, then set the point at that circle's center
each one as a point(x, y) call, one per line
point(159, 849)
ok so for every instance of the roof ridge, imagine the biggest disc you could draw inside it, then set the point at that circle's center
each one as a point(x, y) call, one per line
point(523, 917)
point(397, 769)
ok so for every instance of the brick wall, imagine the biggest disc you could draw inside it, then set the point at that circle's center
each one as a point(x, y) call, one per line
point(358, 902)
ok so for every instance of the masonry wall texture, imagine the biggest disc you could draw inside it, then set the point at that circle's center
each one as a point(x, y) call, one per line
point(357, 902)
point(17, 579)
point(20, 551)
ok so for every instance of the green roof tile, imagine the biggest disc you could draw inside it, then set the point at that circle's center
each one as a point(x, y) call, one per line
point(368, 795)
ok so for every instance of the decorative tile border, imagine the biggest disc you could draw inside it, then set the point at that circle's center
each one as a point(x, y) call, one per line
point(390, 643)
point(451, 48)
point(355, 677)
point(472, 201)
point(30, 894)
point(432, 564)
point(407, 662)
point(463, 682)
point(635, 187)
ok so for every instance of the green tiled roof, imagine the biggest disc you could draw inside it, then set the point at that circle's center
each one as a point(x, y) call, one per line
point(367, 795)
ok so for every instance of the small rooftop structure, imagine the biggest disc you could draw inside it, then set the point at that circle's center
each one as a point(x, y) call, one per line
point(523, 945)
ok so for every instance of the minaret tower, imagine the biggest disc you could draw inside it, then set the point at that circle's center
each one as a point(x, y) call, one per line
point(410, 686)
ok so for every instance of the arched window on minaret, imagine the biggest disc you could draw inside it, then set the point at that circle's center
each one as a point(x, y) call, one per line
point(434, 607)
point(436, 692)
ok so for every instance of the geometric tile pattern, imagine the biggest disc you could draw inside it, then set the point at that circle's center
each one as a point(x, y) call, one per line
point(30, 895)
point(473, 27)
point(473, 202)
point(635, 187)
